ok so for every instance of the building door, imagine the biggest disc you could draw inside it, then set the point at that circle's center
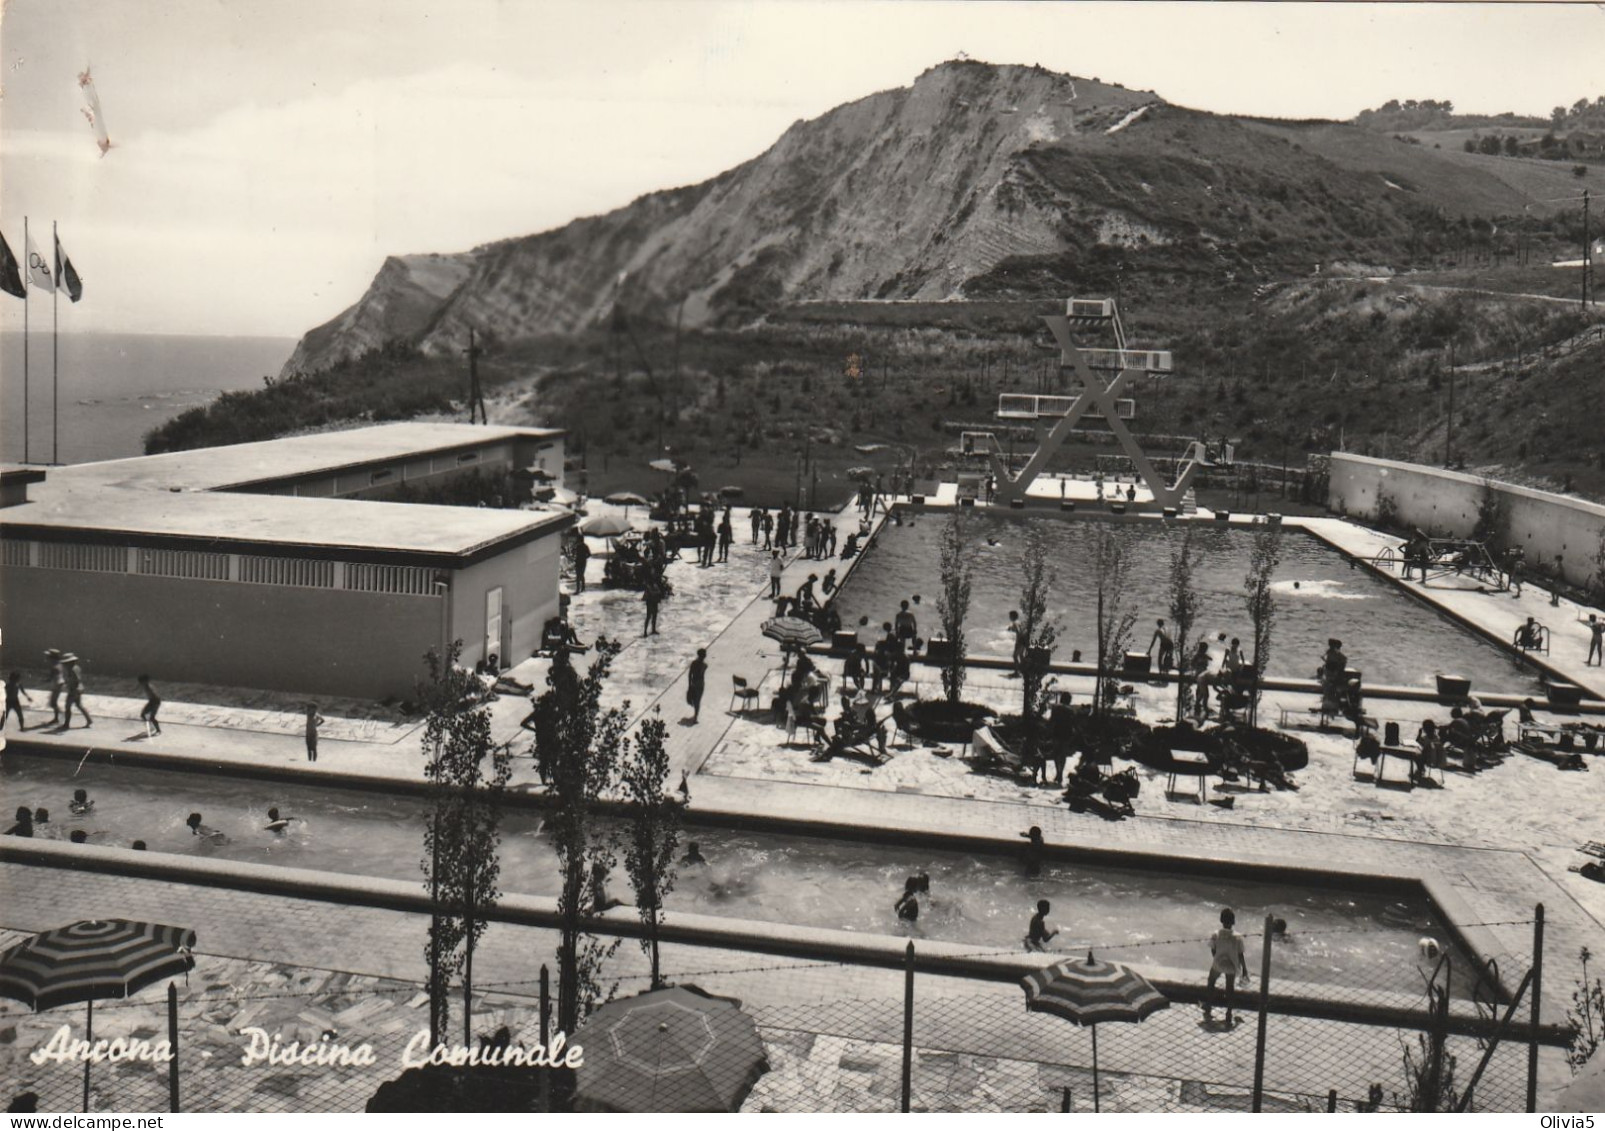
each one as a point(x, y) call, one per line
point(493, 621)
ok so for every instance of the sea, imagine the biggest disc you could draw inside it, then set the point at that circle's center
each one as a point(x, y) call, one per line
point(114, 388)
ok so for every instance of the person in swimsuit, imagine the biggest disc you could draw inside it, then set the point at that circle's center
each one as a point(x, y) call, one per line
point(693, 856)
point(205, 832)
point(153, 703)
point(14, 697)
point(1040, 934)
point(80, 803)
point(1230, 961)
point(908, 904)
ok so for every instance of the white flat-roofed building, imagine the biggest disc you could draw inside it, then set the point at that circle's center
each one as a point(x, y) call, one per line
point(275, 565)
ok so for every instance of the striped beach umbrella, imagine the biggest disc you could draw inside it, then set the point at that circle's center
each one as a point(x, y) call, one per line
point(676, 1049)
point(792, 632)
point(1091, 993)
point(91, 961)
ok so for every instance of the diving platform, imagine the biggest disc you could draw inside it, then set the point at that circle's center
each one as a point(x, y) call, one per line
point(1099, 399)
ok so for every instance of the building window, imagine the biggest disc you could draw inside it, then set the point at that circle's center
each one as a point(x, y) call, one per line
point(99, 559)
point(191, 564)
point(384, 476)
point(468, 457)
point(412, 581)
point(301, 572)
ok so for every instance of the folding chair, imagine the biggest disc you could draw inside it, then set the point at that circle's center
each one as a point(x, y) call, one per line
point(747, 696)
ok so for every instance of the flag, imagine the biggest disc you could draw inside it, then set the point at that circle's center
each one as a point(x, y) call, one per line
point(10, 274)
point(39, 269)
point(70, 282)
point(91, 110)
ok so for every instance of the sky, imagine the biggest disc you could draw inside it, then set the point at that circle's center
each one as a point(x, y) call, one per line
point(268, 156)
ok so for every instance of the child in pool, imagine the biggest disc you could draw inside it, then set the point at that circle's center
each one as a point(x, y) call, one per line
point(1039, 934)
point(276, 823)
point(205, 832)
point(908, 904)
point(693, 857)
point(80, 803)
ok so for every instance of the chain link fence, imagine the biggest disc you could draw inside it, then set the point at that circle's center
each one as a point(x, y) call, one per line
point(844, 1037)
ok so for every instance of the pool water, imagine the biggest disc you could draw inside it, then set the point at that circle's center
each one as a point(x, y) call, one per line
point(1392, 639)
point(1346, 937)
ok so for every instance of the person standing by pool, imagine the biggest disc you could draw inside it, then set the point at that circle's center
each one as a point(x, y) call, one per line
point(153, 703)
point(1017, 630)
point(768, 530)
point(727, 535)
point(75, 691)
point(1596, 648)
point(1167, 646)
point(14, 697)
point(776, 569)
point(314, 721)
point(1230, 960)
point(853, 667)
point(906, 626)
point(582, 556)
point(755, 517)
point(58, 684)
point(651, 596)
point(696, 681)
point(1039, 934)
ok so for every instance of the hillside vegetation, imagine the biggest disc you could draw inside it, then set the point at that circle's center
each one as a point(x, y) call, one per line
point(1314, 279)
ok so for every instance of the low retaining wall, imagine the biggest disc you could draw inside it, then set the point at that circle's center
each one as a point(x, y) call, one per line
point(1542, 524)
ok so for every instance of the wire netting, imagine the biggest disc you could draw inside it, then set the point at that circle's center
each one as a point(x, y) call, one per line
point(833, 1038)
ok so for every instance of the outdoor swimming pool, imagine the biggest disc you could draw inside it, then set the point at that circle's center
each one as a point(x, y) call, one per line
point(1391, 638)
point(1342, 937)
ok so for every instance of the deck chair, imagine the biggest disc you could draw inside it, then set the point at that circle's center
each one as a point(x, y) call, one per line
point(860, 741)
point(902, 725)
point(988, 755)
point(741, 693)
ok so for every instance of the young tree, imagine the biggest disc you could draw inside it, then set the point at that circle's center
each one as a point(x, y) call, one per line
point(1038, 634)
point(460, 862)
point(1183, 610)
point(953, 604)
point(1111, 574)
point(654, 830)
point(581, 744)
point(1261, 603)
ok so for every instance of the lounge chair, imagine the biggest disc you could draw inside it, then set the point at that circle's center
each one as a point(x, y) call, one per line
point(988, 755)
point(862, 740)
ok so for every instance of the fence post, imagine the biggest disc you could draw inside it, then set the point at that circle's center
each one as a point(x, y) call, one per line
point(546, 1037)
point(1538, 995)
point(172, 1044)
point(1331, 1100)
point(1264, 1006)
point(546, 1007)
point(1065, 1102)
point(908, 1026)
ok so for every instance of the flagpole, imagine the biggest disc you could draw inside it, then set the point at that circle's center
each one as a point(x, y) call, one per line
point(55, 300)
point(26, 290)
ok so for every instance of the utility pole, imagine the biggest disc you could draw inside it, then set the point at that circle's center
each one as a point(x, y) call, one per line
point(1588, 258)
point(1449, 439)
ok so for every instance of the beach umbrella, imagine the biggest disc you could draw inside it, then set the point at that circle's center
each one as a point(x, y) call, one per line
point(860, 472)
point(605, 526)
point(679, 1049)
point(667, 466)
point(90, 961)
point(792, 632)
point(626, 499)
point(732, 492)
point(1091, 993)
point(563, 497)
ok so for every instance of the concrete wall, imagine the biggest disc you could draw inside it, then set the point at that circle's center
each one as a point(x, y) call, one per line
point(528, 577)
point(1445, 503)
point(278, 637)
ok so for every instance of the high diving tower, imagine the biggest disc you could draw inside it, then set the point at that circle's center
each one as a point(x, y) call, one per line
point(1085, 317)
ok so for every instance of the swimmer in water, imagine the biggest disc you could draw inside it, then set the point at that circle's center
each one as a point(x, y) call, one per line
point(138, 846)
point(276, 823)
point(205, 832)
point(79, 837)
point(1279, 931)
point(24, 825)
point(41, 816)
point(993, 540)
point(1040, 934)
point(80, 803)
point(600, 900)
point(1033, 852)
point(693, 856)
point(908, 904)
